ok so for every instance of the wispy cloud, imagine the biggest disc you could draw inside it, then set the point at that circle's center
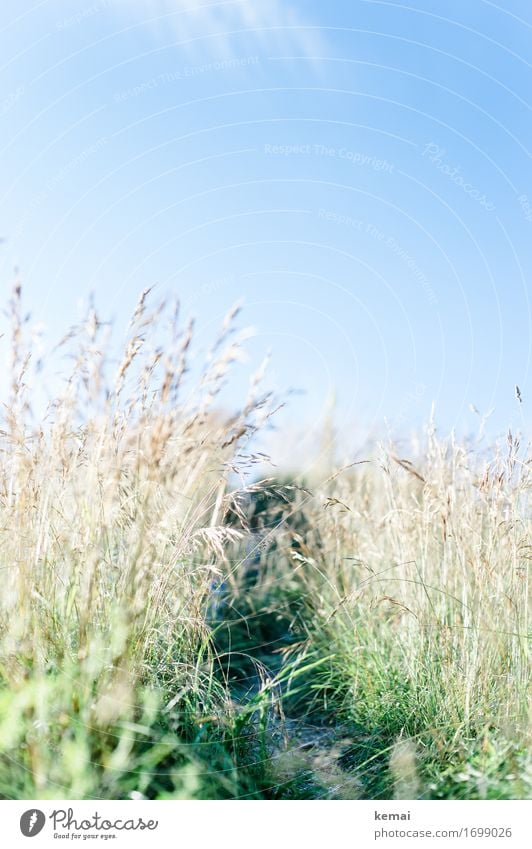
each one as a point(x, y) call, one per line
point(271, 24)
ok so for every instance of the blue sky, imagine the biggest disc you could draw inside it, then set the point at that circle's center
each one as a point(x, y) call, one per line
point(357, 172)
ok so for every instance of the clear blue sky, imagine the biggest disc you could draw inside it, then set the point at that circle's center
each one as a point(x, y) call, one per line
point(359, 172)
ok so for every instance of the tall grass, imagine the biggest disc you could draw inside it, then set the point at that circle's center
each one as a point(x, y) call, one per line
point(169, 629)
point(112, 505)
point(413, 575)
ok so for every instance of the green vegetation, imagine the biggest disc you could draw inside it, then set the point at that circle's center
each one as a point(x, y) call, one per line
point(173, 627)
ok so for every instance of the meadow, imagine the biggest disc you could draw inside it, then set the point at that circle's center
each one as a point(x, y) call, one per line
point(176, 624)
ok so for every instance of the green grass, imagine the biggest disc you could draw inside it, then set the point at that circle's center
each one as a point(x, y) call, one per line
point(173, 627)
point(415, 581)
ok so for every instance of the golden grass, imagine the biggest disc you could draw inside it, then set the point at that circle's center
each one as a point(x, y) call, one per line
point(397, 590)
